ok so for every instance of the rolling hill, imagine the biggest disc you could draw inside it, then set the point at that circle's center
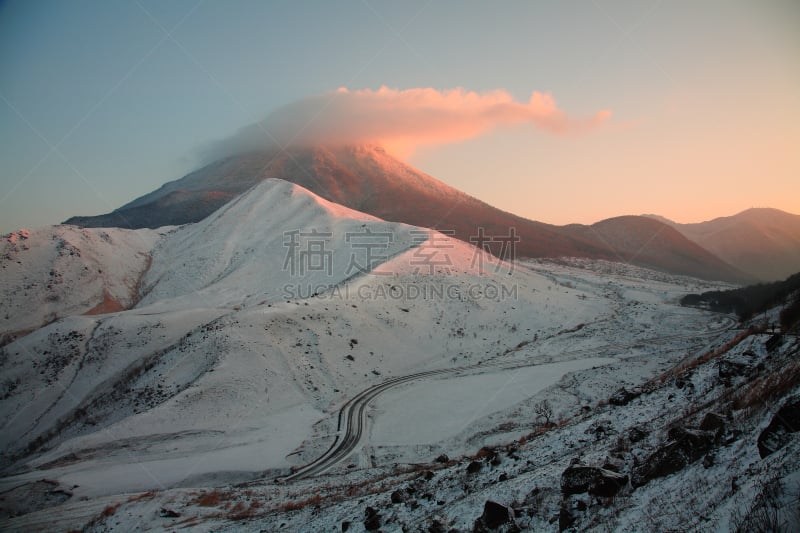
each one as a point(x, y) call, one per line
point(763, 242)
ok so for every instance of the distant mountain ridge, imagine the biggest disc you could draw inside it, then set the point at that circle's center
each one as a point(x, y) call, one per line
point(764, 242)
point(367, 179)
point(650, 243)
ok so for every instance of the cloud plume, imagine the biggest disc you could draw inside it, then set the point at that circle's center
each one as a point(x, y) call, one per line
point(402, 120)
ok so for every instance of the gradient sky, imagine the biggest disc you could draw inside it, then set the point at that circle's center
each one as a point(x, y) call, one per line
point(103, 101)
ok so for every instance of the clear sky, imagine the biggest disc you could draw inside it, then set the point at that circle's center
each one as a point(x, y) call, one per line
point(102, 101)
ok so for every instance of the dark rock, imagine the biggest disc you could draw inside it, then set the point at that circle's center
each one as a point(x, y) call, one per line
point(436, 527)
point(443, 458)
point(345, 526)
point(779, 431)
point(571, 510)
point(623, 397)
point(773, 342)
point(474, 467)
point(731, 369)
point(713, 422)
point(372, 519)
point(685, 447)
point(578, 479)
point(168, 513)
point(429, 475)
point(613, 465)
point(565, 518)
point(488, 453)
point(636, 434)
point(708, 460)
point(503, 477)
point(495, 515)
point(398, 496)
point(694, 439)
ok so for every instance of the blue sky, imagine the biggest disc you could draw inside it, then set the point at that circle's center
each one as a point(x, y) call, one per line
point(102, 101)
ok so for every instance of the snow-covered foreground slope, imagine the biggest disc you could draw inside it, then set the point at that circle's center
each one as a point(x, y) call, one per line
point(56, 271)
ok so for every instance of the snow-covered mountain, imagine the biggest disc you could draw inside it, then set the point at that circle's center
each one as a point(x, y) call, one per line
point(291, 363)
point(761, 241)
point(236, 353)
point(368, 179)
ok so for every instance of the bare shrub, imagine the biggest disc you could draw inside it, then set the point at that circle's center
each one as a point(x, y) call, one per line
point(543, 410)
point(294, 506)
point(765, 513)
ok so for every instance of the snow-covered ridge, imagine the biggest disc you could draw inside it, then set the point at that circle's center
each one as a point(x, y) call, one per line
point(277, 240)
point(57, 271)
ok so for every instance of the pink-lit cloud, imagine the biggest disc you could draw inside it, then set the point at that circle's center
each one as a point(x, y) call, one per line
point(402, 120)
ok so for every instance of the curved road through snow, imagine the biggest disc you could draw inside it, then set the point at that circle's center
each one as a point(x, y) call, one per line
point(352, 415)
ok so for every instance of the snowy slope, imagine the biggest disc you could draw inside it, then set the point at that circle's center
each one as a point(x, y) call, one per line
point(244, 254)
point(249, 393)
point(228, 344)
point(234, 365)
point(58, 271)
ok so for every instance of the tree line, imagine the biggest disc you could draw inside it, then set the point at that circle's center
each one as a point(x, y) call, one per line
point(751, 300)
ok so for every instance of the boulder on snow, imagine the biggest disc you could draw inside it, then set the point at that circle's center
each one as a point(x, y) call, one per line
point(730, 369)
point(773, 342)
point(372, 520)
point(636, 434)
point(579, 478)
point(166, 512)
point(436, 527)
point(685, 446)
point(474, 467)
point(779, 431)
point(613, 464)
point(623, 397)
point(713, 422)
point(494, 516)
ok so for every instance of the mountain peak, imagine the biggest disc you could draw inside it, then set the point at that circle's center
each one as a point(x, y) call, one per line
point(366, 178)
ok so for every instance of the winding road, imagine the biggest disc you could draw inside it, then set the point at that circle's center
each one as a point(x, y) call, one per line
point(352, 420)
